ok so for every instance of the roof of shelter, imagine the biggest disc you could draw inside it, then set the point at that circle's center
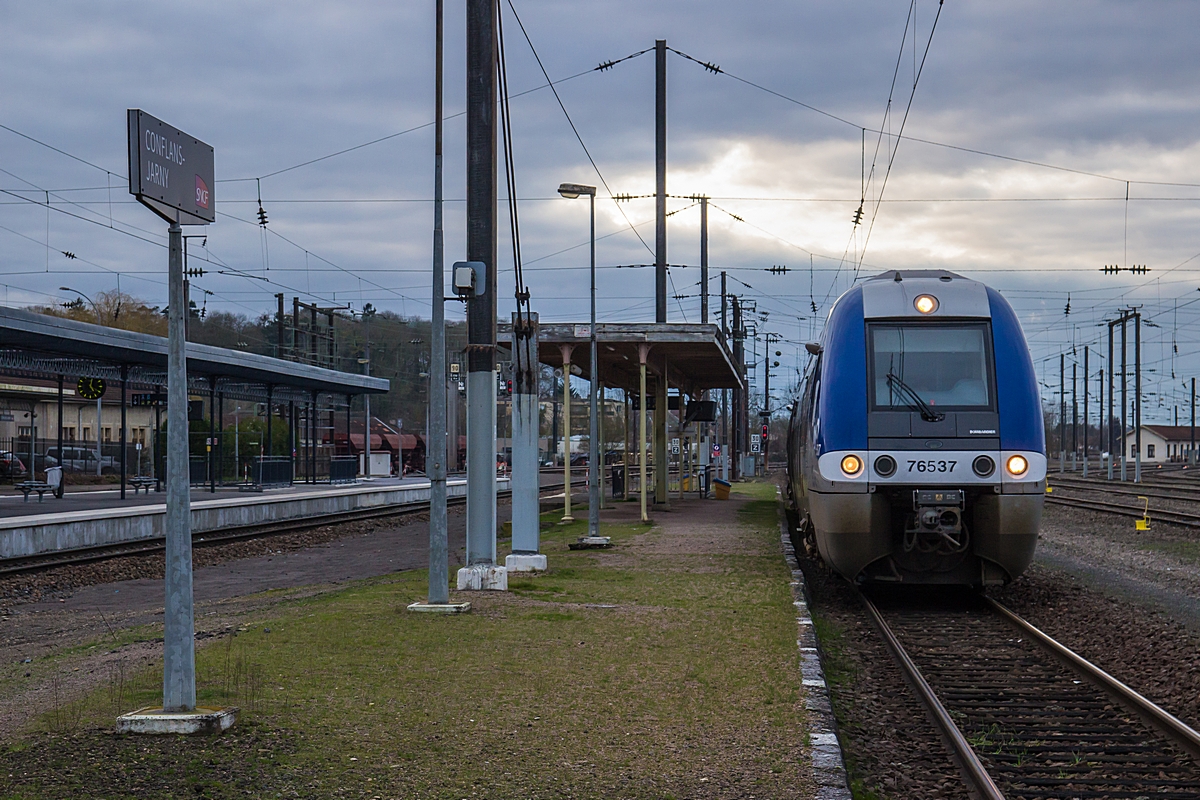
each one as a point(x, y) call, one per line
point(693, 357)
point(39, 345)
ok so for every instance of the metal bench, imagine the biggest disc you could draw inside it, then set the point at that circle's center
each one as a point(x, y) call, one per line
point(141, 482)
point(26, 487)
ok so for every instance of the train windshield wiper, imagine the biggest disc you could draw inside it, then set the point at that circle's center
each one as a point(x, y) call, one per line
point(896, 384)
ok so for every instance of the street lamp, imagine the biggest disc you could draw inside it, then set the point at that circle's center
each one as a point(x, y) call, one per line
point(572, 191)
point(85, 297)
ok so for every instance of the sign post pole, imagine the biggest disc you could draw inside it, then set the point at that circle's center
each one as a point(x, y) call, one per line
point(179, 656)
point(171, 173)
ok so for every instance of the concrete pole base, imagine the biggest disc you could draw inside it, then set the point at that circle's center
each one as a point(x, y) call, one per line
point(440, 608)
point(525, 562)
point(591, 542)
point(154, 720)
point(483, 577)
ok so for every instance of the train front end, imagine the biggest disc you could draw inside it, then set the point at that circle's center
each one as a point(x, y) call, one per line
point(923, 452)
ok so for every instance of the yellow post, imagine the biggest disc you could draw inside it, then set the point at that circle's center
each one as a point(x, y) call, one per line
point(1143, 524)
point(566, 357)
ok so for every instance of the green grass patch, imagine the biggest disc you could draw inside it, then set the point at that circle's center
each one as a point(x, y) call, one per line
point(1188, 551)
point(631, 672)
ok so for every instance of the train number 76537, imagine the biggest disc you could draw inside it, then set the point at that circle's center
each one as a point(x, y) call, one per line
point(931, 466)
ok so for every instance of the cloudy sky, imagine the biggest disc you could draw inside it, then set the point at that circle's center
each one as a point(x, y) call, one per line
point(1029, 127)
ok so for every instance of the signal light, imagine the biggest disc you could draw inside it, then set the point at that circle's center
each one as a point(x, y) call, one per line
point(1017, 466)
point(852, 465)
point(764, 433)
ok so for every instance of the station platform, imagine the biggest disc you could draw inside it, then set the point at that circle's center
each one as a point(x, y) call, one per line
point(86, 519)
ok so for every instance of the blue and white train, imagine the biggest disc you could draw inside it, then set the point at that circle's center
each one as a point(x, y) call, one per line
point(916, 451)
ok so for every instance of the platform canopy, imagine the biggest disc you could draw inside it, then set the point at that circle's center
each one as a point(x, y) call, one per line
point(692, 357)
point(43, 346)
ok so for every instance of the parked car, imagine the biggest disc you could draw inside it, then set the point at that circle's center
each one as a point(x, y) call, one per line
point(78, 459)
point(11, 467)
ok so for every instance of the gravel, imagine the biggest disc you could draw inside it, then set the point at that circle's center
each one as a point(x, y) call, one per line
point(890, 747)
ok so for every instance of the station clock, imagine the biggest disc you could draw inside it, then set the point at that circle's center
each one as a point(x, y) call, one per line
point(90, 388)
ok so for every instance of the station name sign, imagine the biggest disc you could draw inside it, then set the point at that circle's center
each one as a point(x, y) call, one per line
point(170, 171)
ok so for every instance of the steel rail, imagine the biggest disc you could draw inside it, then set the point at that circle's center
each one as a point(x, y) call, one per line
point(217, 536)
point(981, 782)
point(1173, 517)
point(1168, 724)
point(1186, 494)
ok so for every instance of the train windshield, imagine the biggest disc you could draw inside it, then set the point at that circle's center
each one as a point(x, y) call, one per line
point(945, 366)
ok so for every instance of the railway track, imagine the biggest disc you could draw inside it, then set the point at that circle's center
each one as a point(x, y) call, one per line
point(1025, 716)
point(25, 564)
point(1174, 517)
point(1151, 490)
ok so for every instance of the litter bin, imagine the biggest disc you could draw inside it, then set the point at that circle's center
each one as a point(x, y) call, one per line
point(54, 478)
point(618, 481)
point(721, 489)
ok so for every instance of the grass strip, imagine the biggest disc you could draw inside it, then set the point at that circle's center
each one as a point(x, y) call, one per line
point(664, 667)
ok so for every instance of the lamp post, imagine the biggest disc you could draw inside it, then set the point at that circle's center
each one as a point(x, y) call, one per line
point(572, 191)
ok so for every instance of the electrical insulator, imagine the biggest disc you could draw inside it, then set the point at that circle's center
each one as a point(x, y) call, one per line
point(262, 216)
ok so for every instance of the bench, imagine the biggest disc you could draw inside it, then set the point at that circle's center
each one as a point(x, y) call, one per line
point(25, 487)
point(141, 482)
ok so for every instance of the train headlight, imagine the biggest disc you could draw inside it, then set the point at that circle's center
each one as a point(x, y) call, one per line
point(926, 303)
point(1017, 466)
point(852, 465)
point(885, 466)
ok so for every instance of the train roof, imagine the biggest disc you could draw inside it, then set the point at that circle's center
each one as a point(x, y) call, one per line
point(894, 293)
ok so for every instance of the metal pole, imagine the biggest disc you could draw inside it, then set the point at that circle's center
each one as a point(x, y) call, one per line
point(62, 480)
point(291, 437)
point(1074, 417)
point(1192, 452)
point(594, 445)
point(662, 459)
point(1124, 399)
point(179, 653)
point(1086, 379)
point(481, 309)
point(122, 437)
point(269, 448)
point(526, 539)
point(212, 433)
point(99, 424)
point(220, 438)
point(739, 348)
point(625, 447)
point(1111, 387)
point(566, 359)
point(660, 183)
point(1137, 396)
point(643, 351)
point(1062, 412)
point(703, 260)
point(367, 395)
point(724, 392)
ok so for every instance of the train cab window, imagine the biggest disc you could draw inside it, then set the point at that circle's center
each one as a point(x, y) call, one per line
point(948, 366)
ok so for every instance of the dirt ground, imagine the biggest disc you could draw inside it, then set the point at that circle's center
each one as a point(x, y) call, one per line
point(43, 658)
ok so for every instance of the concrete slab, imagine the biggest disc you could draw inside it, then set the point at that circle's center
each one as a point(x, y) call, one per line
point(155, 721)
point(525, 562)
point(483, 577)
point(440, 608)
point(591, 542)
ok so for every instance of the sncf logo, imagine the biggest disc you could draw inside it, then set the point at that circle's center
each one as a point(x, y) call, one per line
point(202, 193)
